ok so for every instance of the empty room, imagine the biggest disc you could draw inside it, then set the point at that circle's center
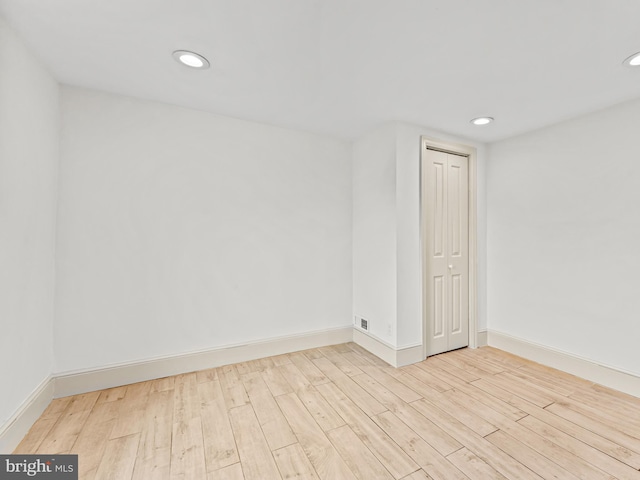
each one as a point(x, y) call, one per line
point(319, 239)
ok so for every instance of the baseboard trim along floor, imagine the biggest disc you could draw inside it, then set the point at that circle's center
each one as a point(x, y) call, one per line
point(72, 383)
point(78, 382)
point(398, 357)
point(341, 412)
point(582, 367)
point(12, 432)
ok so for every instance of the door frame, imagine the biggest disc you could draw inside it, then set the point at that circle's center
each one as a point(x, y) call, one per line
point(471, 153)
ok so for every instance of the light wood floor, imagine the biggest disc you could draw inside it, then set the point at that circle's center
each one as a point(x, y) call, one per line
point(339, 413)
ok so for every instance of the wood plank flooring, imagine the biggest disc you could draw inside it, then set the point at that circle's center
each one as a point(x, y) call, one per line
point(340, 413)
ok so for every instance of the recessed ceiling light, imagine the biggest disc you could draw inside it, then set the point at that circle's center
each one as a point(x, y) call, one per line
point(191, 59)
point(633, 60)
point(482, 120)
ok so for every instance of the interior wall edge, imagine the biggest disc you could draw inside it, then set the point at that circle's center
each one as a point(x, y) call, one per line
point(17, 426)
point(73, 383)
point(605, 375)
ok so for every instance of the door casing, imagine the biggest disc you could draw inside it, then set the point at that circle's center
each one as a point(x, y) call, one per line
point(471, 153)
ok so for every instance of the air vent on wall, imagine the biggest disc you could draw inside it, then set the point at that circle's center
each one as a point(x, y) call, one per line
point(364, 324)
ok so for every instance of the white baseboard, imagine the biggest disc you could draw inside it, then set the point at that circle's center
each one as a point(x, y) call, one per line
point(397, 357)
point(14, 430)
point(72, 383)
point(582, 367)
point(482, 338)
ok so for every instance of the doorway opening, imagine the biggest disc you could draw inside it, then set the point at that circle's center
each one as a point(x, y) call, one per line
point(449, 253)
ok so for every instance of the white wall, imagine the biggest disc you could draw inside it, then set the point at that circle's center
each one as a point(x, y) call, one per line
point(181, 230)
point(563, 231)
point(386, 259)
point(374, 231)
point(29, 124)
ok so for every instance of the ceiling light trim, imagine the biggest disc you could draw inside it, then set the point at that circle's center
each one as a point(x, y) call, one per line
point(632, 60)
point(481, 121)
point(191, 59)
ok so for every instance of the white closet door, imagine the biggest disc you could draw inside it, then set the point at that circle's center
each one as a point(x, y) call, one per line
point(446, 216)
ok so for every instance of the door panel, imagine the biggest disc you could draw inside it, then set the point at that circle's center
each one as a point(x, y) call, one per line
point(458, 229)
point(454, 209)
point(435, 173)
point(438, 307)
point(439, 217)
point(446, 217)
point(456, 304)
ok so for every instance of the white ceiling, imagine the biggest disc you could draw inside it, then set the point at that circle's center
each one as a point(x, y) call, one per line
point(341, 67)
